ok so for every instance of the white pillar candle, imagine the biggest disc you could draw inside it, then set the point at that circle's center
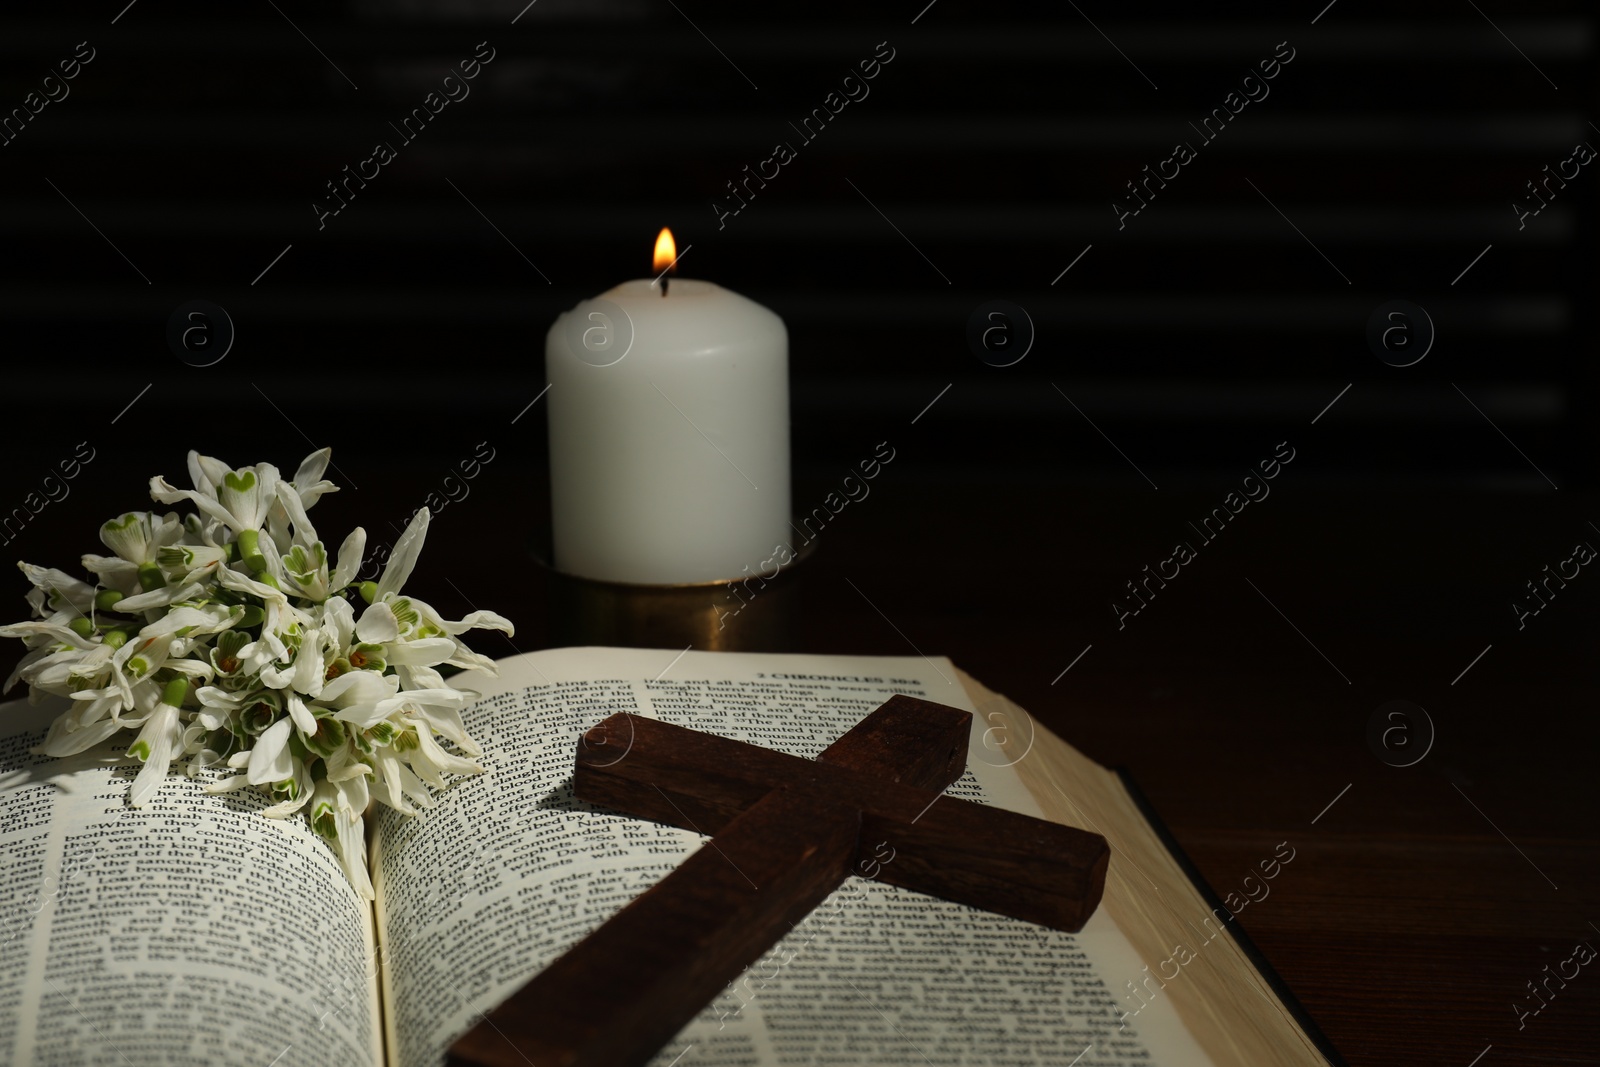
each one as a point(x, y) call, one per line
point(669, 434)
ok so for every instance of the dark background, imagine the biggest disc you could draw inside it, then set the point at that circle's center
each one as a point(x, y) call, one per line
point(1223, 319)
point(997, 141)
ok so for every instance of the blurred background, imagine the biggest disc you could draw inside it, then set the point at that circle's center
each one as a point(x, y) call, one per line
point(987, 155)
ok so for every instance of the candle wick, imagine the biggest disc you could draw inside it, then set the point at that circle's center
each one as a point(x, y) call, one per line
point(664, 280)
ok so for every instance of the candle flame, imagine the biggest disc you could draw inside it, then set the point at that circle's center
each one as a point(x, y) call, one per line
point(666, 250)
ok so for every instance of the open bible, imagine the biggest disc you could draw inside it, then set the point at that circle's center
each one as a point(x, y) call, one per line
point(194, 931)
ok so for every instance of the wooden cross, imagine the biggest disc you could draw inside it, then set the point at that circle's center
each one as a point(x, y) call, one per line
point(785, 833)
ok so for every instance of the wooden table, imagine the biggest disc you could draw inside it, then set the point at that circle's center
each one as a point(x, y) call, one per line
point(1421, 900)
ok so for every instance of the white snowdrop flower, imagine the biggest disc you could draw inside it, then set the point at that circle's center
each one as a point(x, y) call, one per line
point(228, 639)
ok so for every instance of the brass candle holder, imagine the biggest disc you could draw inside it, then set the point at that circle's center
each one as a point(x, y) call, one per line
point(753, 612)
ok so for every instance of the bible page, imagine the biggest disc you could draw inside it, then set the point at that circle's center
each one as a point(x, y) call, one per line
point(479, 894)
point(192, 931)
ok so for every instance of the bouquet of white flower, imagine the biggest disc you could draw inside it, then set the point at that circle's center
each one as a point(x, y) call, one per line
point(223, 639)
